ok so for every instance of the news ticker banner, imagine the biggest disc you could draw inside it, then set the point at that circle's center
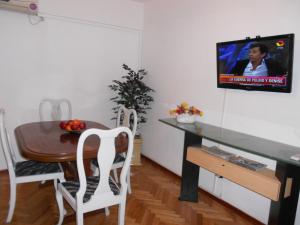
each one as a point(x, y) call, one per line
point(230, 79)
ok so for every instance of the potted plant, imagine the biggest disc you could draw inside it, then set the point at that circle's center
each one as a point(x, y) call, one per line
point(133, 93)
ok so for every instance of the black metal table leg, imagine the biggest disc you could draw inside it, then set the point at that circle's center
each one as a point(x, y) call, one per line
point(190, 171)
point(283, 211)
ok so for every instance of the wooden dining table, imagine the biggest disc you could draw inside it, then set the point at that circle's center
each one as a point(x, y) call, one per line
point(47, 142)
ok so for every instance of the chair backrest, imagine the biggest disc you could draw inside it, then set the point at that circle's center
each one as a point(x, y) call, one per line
point(105, 157)
point(6, 145)
point(127, 118)
point(55, 109)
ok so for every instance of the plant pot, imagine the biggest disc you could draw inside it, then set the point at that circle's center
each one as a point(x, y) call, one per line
point(136, 155)
point(185, 118)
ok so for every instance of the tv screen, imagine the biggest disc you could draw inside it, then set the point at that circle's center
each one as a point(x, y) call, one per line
point(263, 64)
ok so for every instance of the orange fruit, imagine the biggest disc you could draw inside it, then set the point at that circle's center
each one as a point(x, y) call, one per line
point(68, 127)
point(76, 122)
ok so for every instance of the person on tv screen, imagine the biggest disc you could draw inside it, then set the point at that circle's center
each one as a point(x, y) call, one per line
point(258, 64)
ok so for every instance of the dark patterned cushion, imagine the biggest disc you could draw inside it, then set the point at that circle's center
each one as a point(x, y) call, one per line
point(28, 168)
point(95, 162)
point(119, 158)
point(92, 183)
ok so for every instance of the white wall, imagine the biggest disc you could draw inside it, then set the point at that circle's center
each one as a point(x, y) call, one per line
point(63, 58)
point(118, 13)
point(179, 51)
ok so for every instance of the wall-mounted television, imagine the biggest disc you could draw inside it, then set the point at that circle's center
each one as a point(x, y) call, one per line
point(261, 63)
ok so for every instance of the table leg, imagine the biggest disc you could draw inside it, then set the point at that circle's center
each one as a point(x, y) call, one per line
point(87, 167)
point(190, 171)
point(70, 169)
point(283, 211)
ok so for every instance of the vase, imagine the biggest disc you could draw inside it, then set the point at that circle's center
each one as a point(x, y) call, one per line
point(185, 118)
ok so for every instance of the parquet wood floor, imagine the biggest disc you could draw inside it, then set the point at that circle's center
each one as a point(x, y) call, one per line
point(154, 201)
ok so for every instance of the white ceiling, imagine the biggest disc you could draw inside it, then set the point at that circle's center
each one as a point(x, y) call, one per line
point(142, 1)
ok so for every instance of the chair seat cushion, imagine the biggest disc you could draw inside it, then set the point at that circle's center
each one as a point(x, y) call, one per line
point(92, 183)
point(118, 158)
point(27, 168)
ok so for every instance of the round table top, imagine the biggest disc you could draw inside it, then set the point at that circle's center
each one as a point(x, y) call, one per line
point(47, 142)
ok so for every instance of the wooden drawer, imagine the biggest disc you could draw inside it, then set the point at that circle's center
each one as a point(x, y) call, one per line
point(263, 182)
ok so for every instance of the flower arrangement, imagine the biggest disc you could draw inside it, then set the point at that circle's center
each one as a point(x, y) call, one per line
point(184, 108)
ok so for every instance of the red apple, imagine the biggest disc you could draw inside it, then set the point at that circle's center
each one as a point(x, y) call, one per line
point(82, 125)
point(74, 127)
point(62, 125)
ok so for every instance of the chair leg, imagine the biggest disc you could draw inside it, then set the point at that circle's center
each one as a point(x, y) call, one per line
point(60, 203)
point(116, 176)
point(61, 180)
point(12, 201)
point(106, 211)
point(121, 219)
point(79, 218)
point(128, 181)
point(55, 184)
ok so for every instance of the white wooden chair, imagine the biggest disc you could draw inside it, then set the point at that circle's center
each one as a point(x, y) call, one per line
point(55, 109)
point(96, 192)
point(126, 118)
point(24, 171)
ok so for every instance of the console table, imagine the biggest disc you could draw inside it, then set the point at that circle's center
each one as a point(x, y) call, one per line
point(283, 208)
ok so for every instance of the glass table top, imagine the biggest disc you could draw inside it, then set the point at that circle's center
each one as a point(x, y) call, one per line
point(248, 143)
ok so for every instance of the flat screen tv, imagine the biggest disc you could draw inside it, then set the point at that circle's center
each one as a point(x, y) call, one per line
point(262, 64)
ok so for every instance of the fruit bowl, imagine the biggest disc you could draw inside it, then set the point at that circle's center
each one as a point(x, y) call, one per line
point(74, 131)
point(73, 126)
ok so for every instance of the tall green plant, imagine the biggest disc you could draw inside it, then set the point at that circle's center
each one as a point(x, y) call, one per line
point(133, 93)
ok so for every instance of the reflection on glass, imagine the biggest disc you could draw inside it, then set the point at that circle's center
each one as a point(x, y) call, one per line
point(256, 145)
